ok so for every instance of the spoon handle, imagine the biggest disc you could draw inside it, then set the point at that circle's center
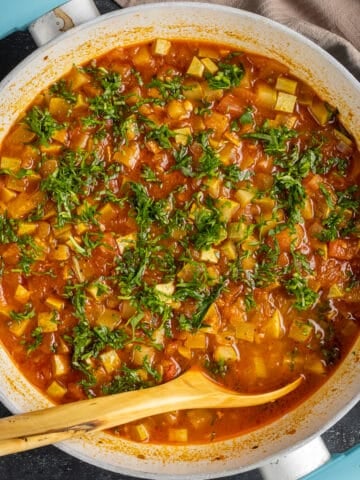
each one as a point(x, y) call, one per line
point(191, 390)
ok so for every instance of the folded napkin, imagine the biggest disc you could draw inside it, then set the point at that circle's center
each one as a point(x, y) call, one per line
point(332, 24)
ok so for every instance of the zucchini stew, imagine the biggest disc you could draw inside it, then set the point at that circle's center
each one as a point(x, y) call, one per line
point(172, 204)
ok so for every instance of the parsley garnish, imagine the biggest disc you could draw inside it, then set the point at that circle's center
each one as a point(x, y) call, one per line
point(42, 123)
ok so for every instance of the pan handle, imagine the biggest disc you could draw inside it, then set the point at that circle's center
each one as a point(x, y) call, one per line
point(297, 463)
point(52, 24)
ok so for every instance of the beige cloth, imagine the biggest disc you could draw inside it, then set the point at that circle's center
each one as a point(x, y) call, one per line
point(332, 24)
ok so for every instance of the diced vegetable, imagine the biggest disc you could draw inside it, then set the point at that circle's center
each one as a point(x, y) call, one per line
point(300, 331)
point(210, 66)
point(56, 390)
point(285, 102)
point(22, 295)
point(161, 46)
point(196, 340)
point(266, 95)
point(179, 435)
point(139, 432)
point(48, 321)
point(285, 84)
point(225, 353)
point(210, 255)
point(196, 68)
point(320, 111)
point(109, 318)
point(60, 365)
point(245, 331)
point(10, 163)
point(111, 361)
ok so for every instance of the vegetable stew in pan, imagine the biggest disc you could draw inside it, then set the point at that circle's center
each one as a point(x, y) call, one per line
point(179, 203)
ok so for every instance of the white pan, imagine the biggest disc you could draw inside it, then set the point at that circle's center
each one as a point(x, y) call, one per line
point(306, 61)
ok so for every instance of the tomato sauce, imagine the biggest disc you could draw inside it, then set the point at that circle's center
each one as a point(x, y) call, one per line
point(172, 204)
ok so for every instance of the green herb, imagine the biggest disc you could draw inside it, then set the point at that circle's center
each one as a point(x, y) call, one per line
point(76, 294)
point(170, 88)
point(274, 140)
point(7, 229)
point(61, 89)
point(26, 314)
point(161, 134)
point(209, 161)
point(149, 175)
point(37, 335)
point(233, 174)
point(42, 123)
point(304, 295)
point(183, 161)
point(77, 174)
point(217, 369)
point(291, 194)
point(247, 117)
point(229, 75)
point(127, 380)
point(209, 228)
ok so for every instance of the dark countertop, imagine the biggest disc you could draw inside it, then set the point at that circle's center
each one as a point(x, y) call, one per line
point(49, 463)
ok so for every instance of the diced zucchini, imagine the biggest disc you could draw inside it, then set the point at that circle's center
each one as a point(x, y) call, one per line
point(165, 291)
point(207, 51)
point(22, 295)
point(24, 203)
point(59, 107)
point(77, 78)
point(300, 331)
point(250, 244)
point(237, 231)
point(320, 112)
point(193, 91)
point(285, 120)
point(19, 328)
point(336, 291)
point(286, 84)
point(228, 249)
point(128, 155)
point(266, 95)
point(225, 353)
point(6, 195)
point(343, 138)
point(110, 360)
point(176, 110)
point(182, 135)
point(196, 340)
point(139, 433)
point(285, 102)
point(260, 367)
point(212, 320)
point(26, 228)
point(142, 353)
point(210, 66)
point(55, 390)
point(55, 303)
point(210, 255)
point(178, 435)
point(10, 163)
point(244, 197)
point(109, 318)
point(196, 68)
point(61, 253)
point(161, 46)
point(142, 58)
point(245, 331)
point(60, 365)
point(227, 208)
point(47, 321)
point(213, 186)
point(274, 327)
point(126, 241)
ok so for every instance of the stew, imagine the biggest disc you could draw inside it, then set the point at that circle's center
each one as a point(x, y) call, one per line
point(174, 204)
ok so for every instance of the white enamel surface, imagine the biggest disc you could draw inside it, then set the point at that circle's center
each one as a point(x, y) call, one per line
point(244, 31)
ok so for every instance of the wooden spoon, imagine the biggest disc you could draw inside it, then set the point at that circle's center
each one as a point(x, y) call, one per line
point(193, 389)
